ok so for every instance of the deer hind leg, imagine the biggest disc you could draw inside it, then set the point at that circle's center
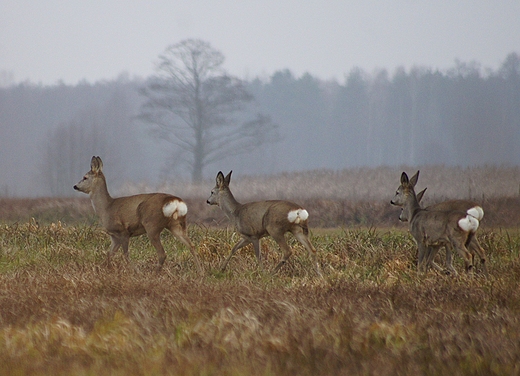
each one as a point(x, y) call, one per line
point(179, 231)
point(286, 250)
point(242, 243)
point(155, 239)
point(304, 240)
point(465, 254)
point(475, 248)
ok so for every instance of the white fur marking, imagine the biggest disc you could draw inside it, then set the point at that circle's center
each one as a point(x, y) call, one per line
point(182, 209)
point(476, 212)
point(174, 209)
point(469, 223)
point(297, 216)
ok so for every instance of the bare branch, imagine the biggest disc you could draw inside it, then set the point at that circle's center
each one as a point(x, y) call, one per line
point(193, 104)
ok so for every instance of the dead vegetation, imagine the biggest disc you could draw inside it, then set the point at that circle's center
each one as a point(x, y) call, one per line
point(352, 197)
point(64, 311)
point(324, 213)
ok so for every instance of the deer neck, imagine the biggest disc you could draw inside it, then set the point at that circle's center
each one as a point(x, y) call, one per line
point(412, 207)
point(100, 198)
point(229, 205)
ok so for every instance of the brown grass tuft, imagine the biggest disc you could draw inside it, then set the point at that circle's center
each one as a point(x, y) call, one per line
point(64, 311)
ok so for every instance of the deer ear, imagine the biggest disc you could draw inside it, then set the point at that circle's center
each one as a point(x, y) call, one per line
point(220, 179)
point(414, 179)
point(227, 179)
point(100, 164)
point(404, 178)
point(96, 165)
point(420, 195)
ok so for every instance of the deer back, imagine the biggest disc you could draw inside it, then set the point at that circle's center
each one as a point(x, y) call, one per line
point(256, 218)
point(127, 214)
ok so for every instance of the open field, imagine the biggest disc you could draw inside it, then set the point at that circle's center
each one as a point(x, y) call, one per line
point(64, 311)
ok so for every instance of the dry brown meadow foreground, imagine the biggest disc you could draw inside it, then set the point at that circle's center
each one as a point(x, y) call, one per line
point(63, 311)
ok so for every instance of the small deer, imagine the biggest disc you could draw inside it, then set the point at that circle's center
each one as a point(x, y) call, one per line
point(453, 205)
point(432, 229)
point(255, 220)
point(474, 246)
point(125, 217)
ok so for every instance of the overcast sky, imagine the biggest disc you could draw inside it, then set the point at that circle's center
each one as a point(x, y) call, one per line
point(52, 40)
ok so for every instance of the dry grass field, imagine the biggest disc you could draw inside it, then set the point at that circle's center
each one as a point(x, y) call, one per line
point(64, 311)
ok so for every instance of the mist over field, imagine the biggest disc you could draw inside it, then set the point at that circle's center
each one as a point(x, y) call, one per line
point(462, 118)
point(323, 104)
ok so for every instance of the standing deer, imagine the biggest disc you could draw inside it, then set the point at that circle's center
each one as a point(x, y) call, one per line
point(474, 246)
point(432, 230)
point(453, 205)
point(255, 220)
point(124, 217)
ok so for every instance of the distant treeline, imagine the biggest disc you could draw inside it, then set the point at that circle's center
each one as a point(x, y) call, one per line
point(464, 116)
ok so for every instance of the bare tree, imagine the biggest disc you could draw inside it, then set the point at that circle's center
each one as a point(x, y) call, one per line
point(195, 105)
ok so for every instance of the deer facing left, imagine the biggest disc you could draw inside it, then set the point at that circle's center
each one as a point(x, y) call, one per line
point(125, 217)
point(433, 229)
point(255, 220)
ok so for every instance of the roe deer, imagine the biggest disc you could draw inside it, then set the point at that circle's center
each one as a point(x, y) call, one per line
point(474, 245)
point(254, 220)
point(124, 217)
point(434, 229)
point(454, 205)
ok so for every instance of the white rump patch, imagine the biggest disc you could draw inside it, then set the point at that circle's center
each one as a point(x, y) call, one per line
point(175, 209)
point(476, 212)
point(469, 223)
point(297, 216)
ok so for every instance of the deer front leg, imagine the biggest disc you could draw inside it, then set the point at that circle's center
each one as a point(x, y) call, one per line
point(258, 254)
point(115, 243)
point(449, 260)
point(124, 244)
point(242, 243)
point(422, 257)
point(430, 256)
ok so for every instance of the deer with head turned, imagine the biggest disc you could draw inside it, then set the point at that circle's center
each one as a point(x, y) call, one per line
point(125, 217)
point(255, 220)
point(431, 229)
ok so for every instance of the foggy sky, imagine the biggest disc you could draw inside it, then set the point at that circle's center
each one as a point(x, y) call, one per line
point(48, 41)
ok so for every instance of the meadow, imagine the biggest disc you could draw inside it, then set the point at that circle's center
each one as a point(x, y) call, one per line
point(64, 310)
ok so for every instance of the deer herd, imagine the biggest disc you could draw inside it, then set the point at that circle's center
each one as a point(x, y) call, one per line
point(450, 224)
